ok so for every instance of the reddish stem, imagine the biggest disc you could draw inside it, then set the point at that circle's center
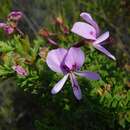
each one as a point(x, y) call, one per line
point(80, 43)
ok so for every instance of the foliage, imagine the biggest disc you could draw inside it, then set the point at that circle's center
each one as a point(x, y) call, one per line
point(110, 95)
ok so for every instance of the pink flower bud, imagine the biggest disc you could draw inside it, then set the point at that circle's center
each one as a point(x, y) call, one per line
point(20, 70)
point(15, 15)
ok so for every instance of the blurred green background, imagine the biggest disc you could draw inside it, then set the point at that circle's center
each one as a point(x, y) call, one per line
point(24, 111)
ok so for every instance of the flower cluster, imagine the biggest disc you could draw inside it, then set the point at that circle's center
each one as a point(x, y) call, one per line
point(11, 24)
point(69, 61)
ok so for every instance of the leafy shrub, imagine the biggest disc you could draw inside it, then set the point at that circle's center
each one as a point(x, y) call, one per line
point(107, 99)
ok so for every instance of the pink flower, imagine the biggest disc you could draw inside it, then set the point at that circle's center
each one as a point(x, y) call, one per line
point(7, 28)
point(11, 25)
point(90, 31)
point(20, 70)
point(15, 15)
point(68, 62)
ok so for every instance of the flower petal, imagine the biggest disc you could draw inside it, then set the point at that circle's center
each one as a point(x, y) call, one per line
point(51, 41)
point(90, 75)
point(103, 50)
point(59, 85)
point(2, 25)
point(8, 29)
point(87, 17)
point(55, 58)
point(84, 30)
point(102, 38)
point(74, 58)
point(75, 86)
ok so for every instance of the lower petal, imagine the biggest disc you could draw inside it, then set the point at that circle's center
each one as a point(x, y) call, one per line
point(103, 50)
point(90, 75)
point(75, 86)
point(59, 85)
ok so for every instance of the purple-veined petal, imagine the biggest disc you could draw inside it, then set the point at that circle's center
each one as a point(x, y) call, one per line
point(84, 30)
point(101, 38)
point(90, 75)
point(74, 58)
point(103, 50)
point(59, 85)
point(55, 58)
point(87, 17)
point(103, 43)
point(75, 86)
